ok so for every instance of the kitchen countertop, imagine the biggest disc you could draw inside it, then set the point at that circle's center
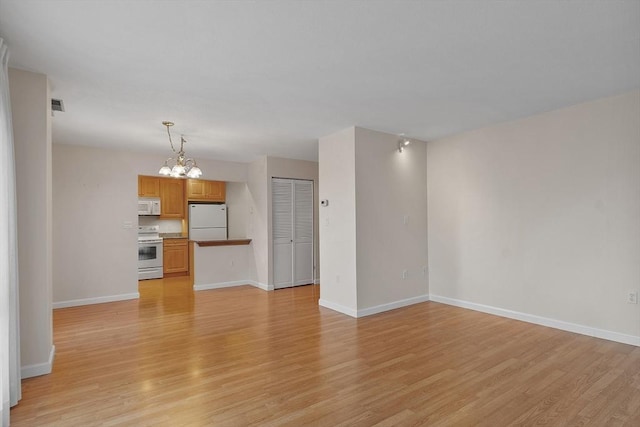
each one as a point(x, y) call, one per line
point(173, 236)
point(228, 242)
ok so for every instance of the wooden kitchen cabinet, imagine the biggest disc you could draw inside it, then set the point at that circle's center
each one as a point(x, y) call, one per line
point(171, 198)
point(200, 190)
point(148, 186)
point(175, 255)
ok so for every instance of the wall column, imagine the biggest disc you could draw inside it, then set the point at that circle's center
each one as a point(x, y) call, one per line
point(31, 116)
point(373, 233)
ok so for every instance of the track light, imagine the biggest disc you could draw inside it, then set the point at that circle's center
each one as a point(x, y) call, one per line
point(402, 143)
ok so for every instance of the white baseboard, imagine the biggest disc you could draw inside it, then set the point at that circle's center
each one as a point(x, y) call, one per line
point(392, 305)
point(96, 300)
point(221, 285)
point(543, 321)
point(338, 307)
point(39, 368)
point(375, 309)
point(261, 285)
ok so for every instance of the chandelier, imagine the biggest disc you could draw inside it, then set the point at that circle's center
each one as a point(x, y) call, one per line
point(184, 167)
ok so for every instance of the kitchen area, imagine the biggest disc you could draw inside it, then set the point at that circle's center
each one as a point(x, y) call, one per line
point(175, 214)
point(95, 212)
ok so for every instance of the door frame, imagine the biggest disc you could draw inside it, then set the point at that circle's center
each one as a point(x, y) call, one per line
point(313, 233)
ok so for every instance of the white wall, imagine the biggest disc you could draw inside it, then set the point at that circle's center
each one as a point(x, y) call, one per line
point(239, 210)
point(95, 256)
point(389, 187)
point(222, 266)
point(541, 216)
point(258, 213)
point(95, 194)
point(31, 110)
point(365, 243)
point(337, 177)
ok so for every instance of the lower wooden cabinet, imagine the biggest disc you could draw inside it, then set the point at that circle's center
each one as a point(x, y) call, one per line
point(175, 256)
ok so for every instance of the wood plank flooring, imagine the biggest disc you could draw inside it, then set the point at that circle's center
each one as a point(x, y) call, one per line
point(241, 356)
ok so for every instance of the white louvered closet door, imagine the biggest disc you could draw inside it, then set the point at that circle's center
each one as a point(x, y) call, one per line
point(292, 204)
point(282, 230)
point(302, 232)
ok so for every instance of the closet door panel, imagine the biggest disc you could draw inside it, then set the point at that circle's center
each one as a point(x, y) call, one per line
point(303, 233)
point(303, 264)
point(292, 232)
point(282, 232)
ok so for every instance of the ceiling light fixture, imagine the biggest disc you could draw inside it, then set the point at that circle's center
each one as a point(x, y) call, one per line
point(184, 167)
point(403, 142)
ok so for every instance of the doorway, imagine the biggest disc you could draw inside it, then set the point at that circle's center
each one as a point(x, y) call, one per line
point(292, 231)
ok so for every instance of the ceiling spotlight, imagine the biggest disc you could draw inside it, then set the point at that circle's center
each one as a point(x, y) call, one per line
point(403, 142)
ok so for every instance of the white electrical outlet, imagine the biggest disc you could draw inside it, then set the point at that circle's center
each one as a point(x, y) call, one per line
point(632, 297)
point(405, 274)
point(405, 219)
point(127, 224)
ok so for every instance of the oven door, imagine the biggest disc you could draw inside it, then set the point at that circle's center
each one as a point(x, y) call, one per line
point(150, 254)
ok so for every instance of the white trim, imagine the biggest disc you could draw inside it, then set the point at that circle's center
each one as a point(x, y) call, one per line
point(392, 305)
point(544, 321)
point(221, 285)
point(95, 300)
point(261, 285)
point(338, 307)
point(39, 368)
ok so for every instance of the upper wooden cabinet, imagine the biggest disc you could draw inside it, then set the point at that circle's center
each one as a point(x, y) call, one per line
point(148, 186)
point(171, 192)
point(171, 198)
point(200, 190)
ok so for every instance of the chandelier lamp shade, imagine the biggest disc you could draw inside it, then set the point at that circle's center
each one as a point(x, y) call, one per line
point(180, 166)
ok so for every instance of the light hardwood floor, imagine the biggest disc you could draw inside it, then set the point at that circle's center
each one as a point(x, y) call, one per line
point(241, 356)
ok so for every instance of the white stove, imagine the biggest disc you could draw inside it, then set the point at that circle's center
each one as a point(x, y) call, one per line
point(149, 252)
point(148, 233)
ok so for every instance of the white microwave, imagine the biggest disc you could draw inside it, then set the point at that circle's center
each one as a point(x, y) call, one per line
point(150, 206)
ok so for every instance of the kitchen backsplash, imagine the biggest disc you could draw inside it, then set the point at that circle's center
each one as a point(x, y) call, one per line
point(166, 225)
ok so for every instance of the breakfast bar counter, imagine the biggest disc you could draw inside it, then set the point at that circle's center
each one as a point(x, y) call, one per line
point(228, 242)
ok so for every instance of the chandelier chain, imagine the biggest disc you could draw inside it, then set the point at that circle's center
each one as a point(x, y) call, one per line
point(170, 140)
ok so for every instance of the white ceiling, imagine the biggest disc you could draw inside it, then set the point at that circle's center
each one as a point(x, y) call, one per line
point(242, 79)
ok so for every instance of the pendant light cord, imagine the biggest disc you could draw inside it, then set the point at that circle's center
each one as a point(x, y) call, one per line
point(170, 140)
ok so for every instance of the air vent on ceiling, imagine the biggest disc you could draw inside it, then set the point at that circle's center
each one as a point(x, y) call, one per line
point(57, 105)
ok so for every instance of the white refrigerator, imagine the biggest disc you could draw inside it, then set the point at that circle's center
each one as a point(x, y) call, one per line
point(207, 222)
